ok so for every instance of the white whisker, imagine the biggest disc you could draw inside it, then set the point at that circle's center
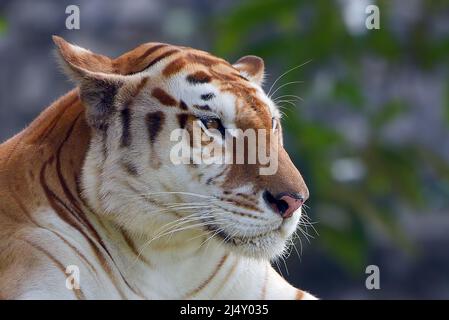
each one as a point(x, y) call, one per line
point(285, 73)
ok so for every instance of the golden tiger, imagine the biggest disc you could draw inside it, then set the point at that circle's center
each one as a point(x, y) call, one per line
point(90, 185)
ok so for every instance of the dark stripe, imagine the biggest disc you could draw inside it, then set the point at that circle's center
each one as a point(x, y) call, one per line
point(78, 212)
point(67, 213)
point(106, 267)
point(139, 88)
point(207, 96)
point(183, 105)
point(62, 181)
point(50, 161)
point(240, 204)
point(58, 168)
point(182, 119)
point(49, 128)
point(205, 60)
point(126, 132)
point(82, 256)
point(244, 196)
point(148, 52)
point(227, 77)
point(129, 242)
point(226, 278)
point(144, 197)
point(163, 97)
point(240, 213)
point(155, 121)
point(174, 67)
point(62, 209)
point(203, 107)
point(104, 146)
point(126, 114)
point(199, 77)
point(209, 279)
point(159, 58)
point(133, 248)
point(78, 293)
point(130, 168)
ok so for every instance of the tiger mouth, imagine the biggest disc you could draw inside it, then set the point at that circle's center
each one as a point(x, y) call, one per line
point(240, 240)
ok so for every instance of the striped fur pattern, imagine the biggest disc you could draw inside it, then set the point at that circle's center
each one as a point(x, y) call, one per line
point(90, 183)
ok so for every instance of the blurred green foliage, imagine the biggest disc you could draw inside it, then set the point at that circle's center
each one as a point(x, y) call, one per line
point(286, 33)
point(3, 25)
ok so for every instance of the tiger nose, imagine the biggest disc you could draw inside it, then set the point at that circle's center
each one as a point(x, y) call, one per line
point(284, 204)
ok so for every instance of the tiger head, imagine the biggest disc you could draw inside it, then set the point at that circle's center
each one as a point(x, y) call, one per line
point(140, 174)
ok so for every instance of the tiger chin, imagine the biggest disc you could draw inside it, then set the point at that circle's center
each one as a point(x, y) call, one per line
point(100, 183)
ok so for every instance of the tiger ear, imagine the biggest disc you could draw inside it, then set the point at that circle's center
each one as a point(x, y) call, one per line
point(95, 76)
point(80, 60)
point(252, 68)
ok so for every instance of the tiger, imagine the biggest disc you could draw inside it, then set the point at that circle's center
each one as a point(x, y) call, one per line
point(89, 185)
